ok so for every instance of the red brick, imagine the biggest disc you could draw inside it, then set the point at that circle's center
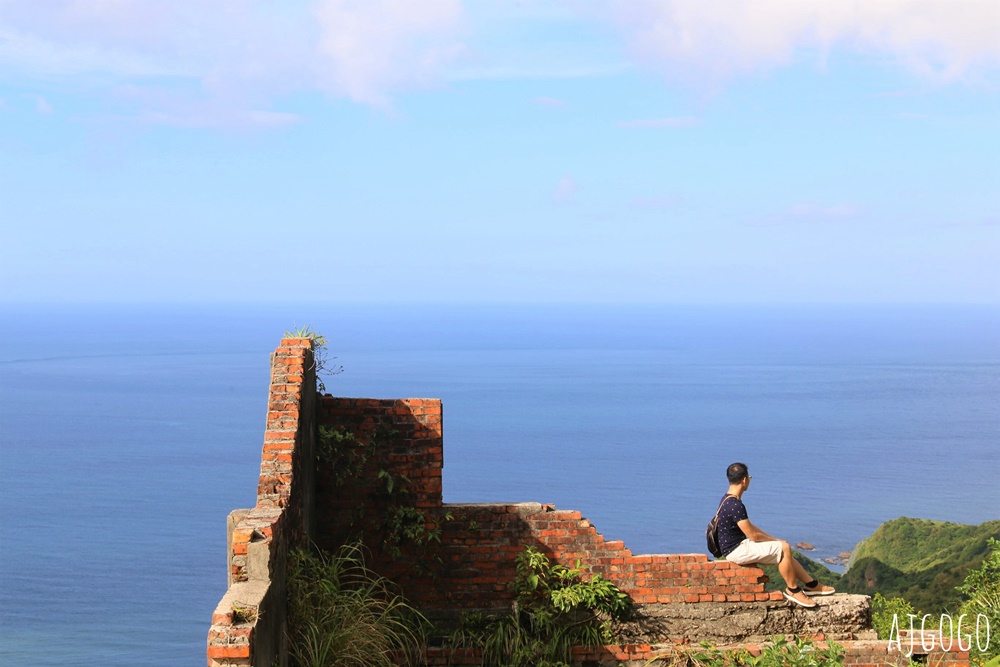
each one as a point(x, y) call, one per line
point(223, 652)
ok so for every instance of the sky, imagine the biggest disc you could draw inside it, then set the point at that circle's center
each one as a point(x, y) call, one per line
point(650, 151)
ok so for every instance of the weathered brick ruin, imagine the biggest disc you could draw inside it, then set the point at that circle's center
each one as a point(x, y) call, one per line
point(680, 598)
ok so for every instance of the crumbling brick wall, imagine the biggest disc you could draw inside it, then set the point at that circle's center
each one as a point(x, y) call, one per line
point(479, 542)
point(470, 563)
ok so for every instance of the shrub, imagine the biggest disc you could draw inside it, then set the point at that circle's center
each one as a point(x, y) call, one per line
point(982, 592)
point(341, 613)
point(781, 652)
point(885, 611)
point(556, 608)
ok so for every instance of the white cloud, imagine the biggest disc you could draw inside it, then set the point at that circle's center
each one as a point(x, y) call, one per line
point(656, 202)
point(708, 43)
point(551, 102)
point(42, 106)
point(235, 56)
point(565, 192)
point(372, 47)
point(807, 212)
point(653, 123)
point(811, 211)
point(201, 116)
point(244, 56)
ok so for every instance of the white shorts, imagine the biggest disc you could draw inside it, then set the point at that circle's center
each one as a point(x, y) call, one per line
point(750, 552)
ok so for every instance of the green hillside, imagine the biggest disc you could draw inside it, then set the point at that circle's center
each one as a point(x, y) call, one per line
point(912, 545)
point(919, 560)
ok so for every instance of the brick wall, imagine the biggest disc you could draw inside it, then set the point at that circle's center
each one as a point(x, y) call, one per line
point(305, 490)
point(479, 543)
point(408, 435)
point(248, 624)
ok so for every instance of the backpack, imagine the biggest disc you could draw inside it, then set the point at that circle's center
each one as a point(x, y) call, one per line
point(712, 532)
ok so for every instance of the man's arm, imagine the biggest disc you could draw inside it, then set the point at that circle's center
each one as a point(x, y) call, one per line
point(754, 533)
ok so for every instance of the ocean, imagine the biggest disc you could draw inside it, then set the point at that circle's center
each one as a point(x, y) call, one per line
point(127, 434)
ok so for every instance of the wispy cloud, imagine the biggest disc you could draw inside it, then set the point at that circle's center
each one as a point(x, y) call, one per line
point(244, 54)
point(661, 202)
point(551, 102)
point(565, 191)
point(656, 123)
point(536, 71)
point(378, 46)
point(811, 211)
point(707, 43)
point(807, 212)
point(249, 55)
point(223, 118)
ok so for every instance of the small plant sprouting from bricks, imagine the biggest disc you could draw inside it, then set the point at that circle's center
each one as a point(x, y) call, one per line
point(556, 608)
point(780, 652)
point(322, 362)
point(341, 453)
point(402, 530)
point(245, 614)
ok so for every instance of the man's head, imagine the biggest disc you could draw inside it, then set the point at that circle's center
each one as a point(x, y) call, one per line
point(737, 472)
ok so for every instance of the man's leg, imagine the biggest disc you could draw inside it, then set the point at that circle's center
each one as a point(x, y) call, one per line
point(790, 569)
point(779, 553)
point(792, 572)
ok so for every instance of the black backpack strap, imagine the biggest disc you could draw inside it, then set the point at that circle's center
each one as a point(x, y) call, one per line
point(728, 495)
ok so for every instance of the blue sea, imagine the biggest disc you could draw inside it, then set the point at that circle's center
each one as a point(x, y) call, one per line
point(127, 433)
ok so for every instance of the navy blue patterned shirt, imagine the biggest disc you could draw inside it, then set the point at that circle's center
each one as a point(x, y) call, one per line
point(733, 511)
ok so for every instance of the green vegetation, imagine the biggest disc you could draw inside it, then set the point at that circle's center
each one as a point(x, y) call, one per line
point(982, 591)
point(780, 652)
point(245, 614)
point(889, 611)
point(323, 363)
point(342, 613)
point(922, 562)
point(914, 545)
point(402, 531)
point(556, 608)
point(919, 560)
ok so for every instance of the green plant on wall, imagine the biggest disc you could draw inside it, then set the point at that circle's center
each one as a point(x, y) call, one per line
point(779, 652)
point(341, 613)
point(401, 529)
point(322, 362)
point(555, 608)
point(245, 614)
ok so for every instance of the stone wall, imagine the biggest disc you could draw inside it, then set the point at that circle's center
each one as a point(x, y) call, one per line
point(335, 490)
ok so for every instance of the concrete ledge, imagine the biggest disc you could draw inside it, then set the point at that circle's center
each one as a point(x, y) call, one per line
point(838, 617)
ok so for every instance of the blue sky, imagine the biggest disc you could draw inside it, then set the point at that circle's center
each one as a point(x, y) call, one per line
point(674, 151)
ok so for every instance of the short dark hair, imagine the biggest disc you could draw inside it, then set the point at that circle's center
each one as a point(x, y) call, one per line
point(736, 472)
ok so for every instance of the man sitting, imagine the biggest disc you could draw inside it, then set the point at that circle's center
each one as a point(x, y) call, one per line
point(745, 544)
